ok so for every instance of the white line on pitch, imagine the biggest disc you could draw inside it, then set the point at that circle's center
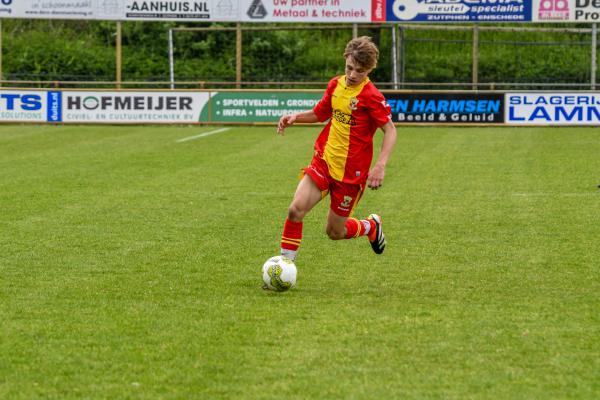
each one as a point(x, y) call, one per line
point(203, 135)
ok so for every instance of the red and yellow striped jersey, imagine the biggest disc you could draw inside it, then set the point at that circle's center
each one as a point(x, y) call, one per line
point(346, 142)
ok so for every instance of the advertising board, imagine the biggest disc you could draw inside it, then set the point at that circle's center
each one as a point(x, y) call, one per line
point(552, 108)
point(192, 10)
point(132, 107)
point(248, 107)
point(585, 11)
point(580, 11)
point(173, 10)
point(317, 11)
point(447, 108)
point(29, 106)
point(152, 107)
point(458, 10)
point(151, 10)
point(48, 9)
point(305, 10)
point(244, 107)
point(552, 11)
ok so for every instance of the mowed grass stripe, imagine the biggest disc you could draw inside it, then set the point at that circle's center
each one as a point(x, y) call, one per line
point(131, 267)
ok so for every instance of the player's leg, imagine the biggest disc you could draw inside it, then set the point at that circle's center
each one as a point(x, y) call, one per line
point(306, 197)
point(341, 227)
point(340, 224)
point(336, 226)
point(344, 197)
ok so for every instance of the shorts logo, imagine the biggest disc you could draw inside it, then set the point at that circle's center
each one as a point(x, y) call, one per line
point(353, 103)
point(346, 202)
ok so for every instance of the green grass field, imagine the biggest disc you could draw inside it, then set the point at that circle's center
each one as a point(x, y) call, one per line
point(130, 268)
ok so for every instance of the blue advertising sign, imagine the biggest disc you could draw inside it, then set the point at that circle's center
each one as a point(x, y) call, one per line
point(446, 108)
point(54, 111)
point(458, 10)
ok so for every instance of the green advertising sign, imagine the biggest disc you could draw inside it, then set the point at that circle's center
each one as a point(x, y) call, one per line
point(250, 107)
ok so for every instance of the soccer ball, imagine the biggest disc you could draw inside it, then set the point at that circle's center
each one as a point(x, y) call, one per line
point(279, 273)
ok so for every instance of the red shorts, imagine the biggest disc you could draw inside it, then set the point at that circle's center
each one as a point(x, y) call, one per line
point(344, 196)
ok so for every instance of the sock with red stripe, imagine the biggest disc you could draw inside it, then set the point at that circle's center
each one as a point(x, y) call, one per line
point(356, 228)
point(291, 238)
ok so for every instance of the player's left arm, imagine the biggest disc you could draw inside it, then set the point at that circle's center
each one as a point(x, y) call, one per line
point(377, 173)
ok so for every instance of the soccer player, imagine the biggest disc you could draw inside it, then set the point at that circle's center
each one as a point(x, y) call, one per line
point(343, 152)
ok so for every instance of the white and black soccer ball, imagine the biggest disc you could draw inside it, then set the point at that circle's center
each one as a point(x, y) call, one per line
point(279, 273)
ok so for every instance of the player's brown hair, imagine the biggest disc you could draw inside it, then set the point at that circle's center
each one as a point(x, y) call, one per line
point(364, 52)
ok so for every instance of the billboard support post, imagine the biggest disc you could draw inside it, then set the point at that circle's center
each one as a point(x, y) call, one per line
point(475, 72)
point(401, 54)
point(1, 77)
point(594, 55)
point(171, 61)
point(118, 56)
point(394, 57)
point(238, 55)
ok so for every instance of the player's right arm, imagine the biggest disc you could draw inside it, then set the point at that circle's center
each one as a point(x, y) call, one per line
point(290, 119)
point(320, 113)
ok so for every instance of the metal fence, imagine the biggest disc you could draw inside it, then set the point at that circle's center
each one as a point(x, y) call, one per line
point(433, 57)
point(413, 56)
point(498, 57)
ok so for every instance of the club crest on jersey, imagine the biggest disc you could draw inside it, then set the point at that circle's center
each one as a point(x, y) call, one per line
point(353, 103)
